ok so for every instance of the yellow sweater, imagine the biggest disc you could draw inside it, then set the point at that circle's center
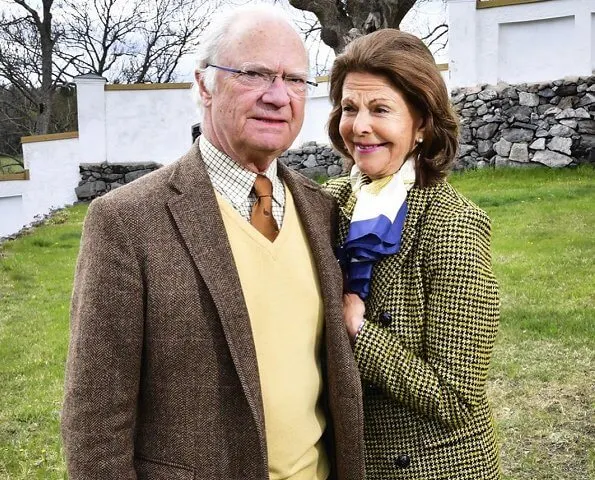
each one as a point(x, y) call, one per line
point(280, 285)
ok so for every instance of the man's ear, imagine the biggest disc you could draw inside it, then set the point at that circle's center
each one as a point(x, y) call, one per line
point(205, 95)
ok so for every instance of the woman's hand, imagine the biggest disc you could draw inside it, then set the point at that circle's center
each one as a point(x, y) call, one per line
point(353, 313)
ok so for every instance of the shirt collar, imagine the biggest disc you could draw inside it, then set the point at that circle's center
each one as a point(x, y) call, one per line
point(233, 180)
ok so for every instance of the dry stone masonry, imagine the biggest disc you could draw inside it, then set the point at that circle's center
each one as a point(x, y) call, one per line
point(97, 179)
point(314, 160)
point(527, 125)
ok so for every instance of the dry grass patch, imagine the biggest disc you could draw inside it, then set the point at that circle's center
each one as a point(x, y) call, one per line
point(543, 395)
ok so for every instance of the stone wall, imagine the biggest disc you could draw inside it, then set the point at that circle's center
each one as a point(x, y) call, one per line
point(527, 125)
point(314, 160)
point(505, 125)
point(97, 179)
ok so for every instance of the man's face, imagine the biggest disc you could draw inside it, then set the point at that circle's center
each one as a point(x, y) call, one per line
point(255, 125)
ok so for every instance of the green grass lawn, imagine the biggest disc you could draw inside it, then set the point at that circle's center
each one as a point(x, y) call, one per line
point(542, 381)
point(9, 165)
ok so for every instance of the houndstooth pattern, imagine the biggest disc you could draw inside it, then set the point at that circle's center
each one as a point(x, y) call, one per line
point(424, 352)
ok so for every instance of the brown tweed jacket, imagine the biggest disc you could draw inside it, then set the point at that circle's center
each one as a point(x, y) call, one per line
point(424, 352)
point(162, 379)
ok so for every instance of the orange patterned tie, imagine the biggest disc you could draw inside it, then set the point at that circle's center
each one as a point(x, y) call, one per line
point(262, 212)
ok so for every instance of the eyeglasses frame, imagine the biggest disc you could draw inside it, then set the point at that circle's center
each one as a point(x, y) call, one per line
point(244, 72)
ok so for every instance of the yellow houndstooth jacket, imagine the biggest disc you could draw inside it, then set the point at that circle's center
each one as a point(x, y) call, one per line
point(424, 352)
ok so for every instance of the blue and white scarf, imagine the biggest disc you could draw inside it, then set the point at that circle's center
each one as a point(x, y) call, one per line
point(376, 224)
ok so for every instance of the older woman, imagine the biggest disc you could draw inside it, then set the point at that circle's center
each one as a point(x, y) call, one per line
point(421, 303)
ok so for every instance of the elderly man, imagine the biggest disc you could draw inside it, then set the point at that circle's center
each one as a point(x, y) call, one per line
point(206, 339)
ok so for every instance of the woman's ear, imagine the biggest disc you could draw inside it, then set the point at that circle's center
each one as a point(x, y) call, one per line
point(421, 130)
point(205, 95)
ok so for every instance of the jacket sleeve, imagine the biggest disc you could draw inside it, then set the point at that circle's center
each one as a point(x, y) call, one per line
point(446, 379)
point(102, 371)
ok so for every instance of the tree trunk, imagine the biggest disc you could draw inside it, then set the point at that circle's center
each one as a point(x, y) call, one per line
point(47, 48)
point(41, 94)
point(342, 21)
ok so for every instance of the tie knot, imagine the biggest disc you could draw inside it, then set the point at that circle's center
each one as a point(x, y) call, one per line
point(263, 186)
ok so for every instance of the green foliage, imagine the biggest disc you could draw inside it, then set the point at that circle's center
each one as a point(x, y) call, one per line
point(10, 164)
point(320, 179)
point(541, 381)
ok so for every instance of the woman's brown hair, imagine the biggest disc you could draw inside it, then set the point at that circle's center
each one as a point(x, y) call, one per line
point(408, 64)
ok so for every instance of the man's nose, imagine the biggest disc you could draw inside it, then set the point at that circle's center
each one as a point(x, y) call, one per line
point(277, 93)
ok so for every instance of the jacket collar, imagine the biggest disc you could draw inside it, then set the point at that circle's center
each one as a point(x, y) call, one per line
point(197, 216)
point(418, 201)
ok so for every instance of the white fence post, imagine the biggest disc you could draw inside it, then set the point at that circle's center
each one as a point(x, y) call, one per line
point(91, 118)
point(462, 43)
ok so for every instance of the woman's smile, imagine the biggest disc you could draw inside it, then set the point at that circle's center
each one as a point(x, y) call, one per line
point(378, 126)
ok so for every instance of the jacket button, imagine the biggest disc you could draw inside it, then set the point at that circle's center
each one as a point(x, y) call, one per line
point(385, 319)
point(402, 460)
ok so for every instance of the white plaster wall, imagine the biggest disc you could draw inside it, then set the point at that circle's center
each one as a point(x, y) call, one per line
point(462, 42)
point(544, 55)
point(91, 118)
point(520, 43)
point(11, 207)
point(318, 108)
point(446, 77)
point(593, 42)
point(54, 174)
point(148, 125)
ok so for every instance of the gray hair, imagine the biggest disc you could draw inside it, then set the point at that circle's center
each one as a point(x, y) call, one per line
point(213, 41)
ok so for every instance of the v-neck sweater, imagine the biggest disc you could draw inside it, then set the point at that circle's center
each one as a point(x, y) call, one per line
point(282, 293)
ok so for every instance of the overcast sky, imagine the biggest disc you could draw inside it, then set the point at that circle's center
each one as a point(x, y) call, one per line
point(421, 19)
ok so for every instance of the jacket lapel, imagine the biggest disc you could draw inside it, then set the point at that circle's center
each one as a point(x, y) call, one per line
point(416, 206)
point(342, 380)
point(418, 200)
point(198, 218)
point(346, 202)
point(308, 198)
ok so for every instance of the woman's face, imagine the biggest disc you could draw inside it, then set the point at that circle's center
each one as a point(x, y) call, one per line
point(378, 126)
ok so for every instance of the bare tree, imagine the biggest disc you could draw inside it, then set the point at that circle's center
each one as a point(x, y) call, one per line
point(10, 163)
point(97, 33)
point(133, 41)
point(436, 38)
point(348, 19)
point(427, 20)
point(27, 41)
point(170, 31)
point(124, 40)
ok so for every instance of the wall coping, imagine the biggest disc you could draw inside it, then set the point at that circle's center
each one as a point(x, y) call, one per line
point(502, 3)
point(7, 177)
point(147, 86)
point(49, 137)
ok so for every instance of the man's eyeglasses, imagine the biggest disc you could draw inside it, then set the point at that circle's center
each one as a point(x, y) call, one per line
point(297, 85)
